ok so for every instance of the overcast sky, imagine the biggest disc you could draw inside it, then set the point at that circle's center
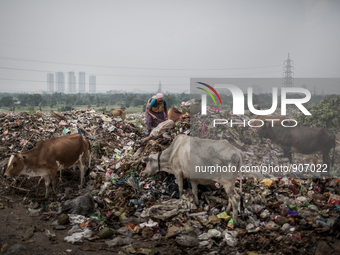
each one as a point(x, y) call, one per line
point(132, 45)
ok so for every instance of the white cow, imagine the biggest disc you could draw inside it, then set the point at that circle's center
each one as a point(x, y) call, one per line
point(176, 160)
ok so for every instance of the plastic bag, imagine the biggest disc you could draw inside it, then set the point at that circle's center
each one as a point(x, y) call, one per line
point(189, 241)
point(230, 237)
point(78, 237)
point(119, 241)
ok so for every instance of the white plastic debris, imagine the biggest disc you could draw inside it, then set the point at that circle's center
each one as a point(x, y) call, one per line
point(265, 214)
point(77, 219)
point(156, 237)
point(230, 237)
point(150, 223)
point(79, 236)
point(75, 229)
point(285, 227)
point(211, 233)
point(313, 207)
point(271, 225)
point(93, 175)
point(302, 199)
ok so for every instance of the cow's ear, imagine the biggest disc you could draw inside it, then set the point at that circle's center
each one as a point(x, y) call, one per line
point(146, 159)
point(23, 158)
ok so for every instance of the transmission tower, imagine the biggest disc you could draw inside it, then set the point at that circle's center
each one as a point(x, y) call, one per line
point(159, 87)
point(288, 73)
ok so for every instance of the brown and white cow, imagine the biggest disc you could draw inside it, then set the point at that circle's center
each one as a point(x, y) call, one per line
point(174, 114)
point(49, 156)
point(118, 113)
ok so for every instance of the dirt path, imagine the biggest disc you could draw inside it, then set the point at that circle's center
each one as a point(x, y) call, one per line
point(16, 220)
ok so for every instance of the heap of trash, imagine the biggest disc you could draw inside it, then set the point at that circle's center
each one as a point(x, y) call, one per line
point(279, 214)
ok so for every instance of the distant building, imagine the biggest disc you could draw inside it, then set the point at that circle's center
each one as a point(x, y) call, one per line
point(38, 92)
point(60, 82)
point(50, 82)
point(81, 82)
point(71, 82)
point(92, 84)
point(115, 92)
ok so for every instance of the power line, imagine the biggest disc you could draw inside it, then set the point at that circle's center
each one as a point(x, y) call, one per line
point(103, 84)
point(305, 74)
point(24, 69)
point(126, 56)
point(308, 69)
point(137, 68)
point(121, 75)
point(113, 75)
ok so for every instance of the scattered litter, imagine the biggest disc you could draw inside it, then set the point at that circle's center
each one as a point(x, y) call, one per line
point(117, 203)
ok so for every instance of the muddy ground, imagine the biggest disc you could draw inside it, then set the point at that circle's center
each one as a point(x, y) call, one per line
point(16, 221)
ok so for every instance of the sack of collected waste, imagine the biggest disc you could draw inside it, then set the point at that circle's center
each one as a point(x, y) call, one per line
point(162, 128)
point(83, 205)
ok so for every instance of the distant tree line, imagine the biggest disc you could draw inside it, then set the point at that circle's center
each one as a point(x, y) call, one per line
point(66, 102)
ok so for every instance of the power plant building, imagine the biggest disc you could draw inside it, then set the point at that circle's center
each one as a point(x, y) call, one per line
point(92, 84)
point(50, 82)
point(71, 82)
point(81, 82)
point(60, 82)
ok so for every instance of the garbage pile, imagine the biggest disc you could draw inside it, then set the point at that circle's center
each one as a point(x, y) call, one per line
point(281, 215)
point(258, 151)
point(324, 114)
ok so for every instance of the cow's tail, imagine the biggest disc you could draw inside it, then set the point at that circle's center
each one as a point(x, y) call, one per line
point(89, 167)
point(239, 158)
point(241, 177)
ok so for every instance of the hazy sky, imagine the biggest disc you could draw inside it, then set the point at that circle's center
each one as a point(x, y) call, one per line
point(132, 45)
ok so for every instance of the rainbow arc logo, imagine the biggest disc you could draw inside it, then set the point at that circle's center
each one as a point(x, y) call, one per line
point(209, 93)
point(204, 99)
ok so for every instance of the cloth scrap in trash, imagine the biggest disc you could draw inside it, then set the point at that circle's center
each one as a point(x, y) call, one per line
point(168, 209)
